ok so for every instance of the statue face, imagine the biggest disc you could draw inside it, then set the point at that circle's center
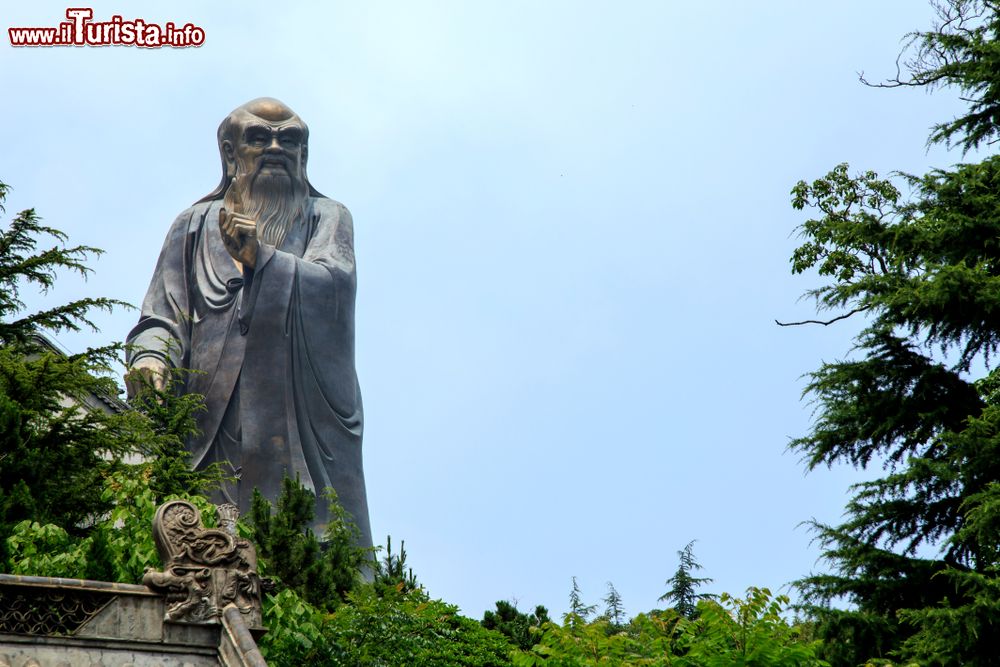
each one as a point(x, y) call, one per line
point(265, 154)
point(266, 148)
point(263, 143)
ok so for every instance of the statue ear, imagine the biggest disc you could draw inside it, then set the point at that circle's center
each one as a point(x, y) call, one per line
point(305, 154)
point(229, 156)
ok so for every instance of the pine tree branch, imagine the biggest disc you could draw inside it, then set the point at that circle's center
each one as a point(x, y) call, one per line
point(823, 322)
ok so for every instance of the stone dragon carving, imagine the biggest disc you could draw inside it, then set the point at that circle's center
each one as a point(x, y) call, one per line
point(205, 569)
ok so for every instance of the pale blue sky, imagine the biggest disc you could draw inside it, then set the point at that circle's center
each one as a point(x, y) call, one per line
point(572, 230)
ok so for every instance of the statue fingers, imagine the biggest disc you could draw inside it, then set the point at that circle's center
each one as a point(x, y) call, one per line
point(245, 231)
point(147, 372)
point(225, 226)
point(227, 223)
point(240, 220)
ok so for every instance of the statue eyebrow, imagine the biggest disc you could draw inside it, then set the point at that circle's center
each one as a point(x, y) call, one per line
point(293, 131)
point(250, 129)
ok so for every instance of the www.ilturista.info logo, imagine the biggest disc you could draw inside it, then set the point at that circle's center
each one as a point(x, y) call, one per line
point(81, 30)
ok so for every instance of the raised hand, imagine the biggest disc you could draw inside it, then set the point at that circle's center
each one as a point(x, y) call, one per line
point(239, 234)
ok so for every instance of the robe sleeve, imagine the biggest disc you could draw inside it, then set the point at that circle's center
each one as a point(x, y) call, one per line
point(324, 278)
point(297, 317)
point(164, 329)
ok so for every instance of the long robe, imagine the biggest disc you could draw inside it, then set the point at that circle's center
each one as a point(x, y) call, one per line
point(275, 347)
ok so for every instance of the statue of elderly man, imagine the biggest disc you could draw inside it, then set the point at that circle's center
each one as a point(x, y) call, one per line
point(255, 288)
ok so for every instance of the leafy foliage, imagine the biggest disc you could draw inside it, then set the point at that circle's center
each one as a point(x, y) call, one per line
point(118, 546)
point(406, 627)
point(378, 627)
point(747, 631)
point(295, 632)
point(46, 551)
point(650, 642)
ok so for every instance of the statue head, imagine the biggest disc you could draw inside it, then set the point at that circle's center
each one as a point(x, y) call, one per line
point(263, 137)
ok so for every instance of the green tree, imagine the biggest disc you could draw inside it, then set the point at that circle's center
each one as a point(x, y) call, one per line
point(520, 628)
point(391, 571)
point(684, 585)
point(407, 627)
point(750, 631)
point(614, 609)
point(322, 574)
point(22, 265)
point(916, 557)
point(168, 417)
point(377, 626)
point(63, 432)
point(54, 453)
point(579, 613)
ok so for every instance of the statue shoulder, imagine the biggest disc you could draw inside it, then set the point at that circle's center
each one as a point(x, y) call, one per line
point(334, 231)
point(331, 211)
point(198, 212)
point(191, 219)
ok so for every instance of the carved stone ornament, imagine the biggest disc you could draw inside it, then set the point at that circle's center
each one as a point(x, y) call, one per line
point(205, 569)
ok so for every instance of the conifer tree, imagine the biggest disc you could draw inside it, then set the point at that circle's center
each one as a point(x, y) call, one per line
point(916, 557)
point(57, 448)
point(579, 613)
point(392, 572)
point(614, 609)
point(321, 573)
point(51, 455)
point(516, 625)
point(684, 585)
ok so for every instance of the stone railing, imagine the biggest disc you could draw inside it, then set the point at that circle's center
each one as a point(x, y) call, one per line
point(202, 610)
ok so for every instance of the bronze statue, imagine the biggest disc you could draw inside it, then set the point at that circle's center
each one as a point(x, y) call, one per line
point(255, 288)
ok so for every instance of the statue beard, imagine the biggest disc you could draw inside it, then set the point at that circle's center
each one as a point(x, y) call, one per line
point(274, 198)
